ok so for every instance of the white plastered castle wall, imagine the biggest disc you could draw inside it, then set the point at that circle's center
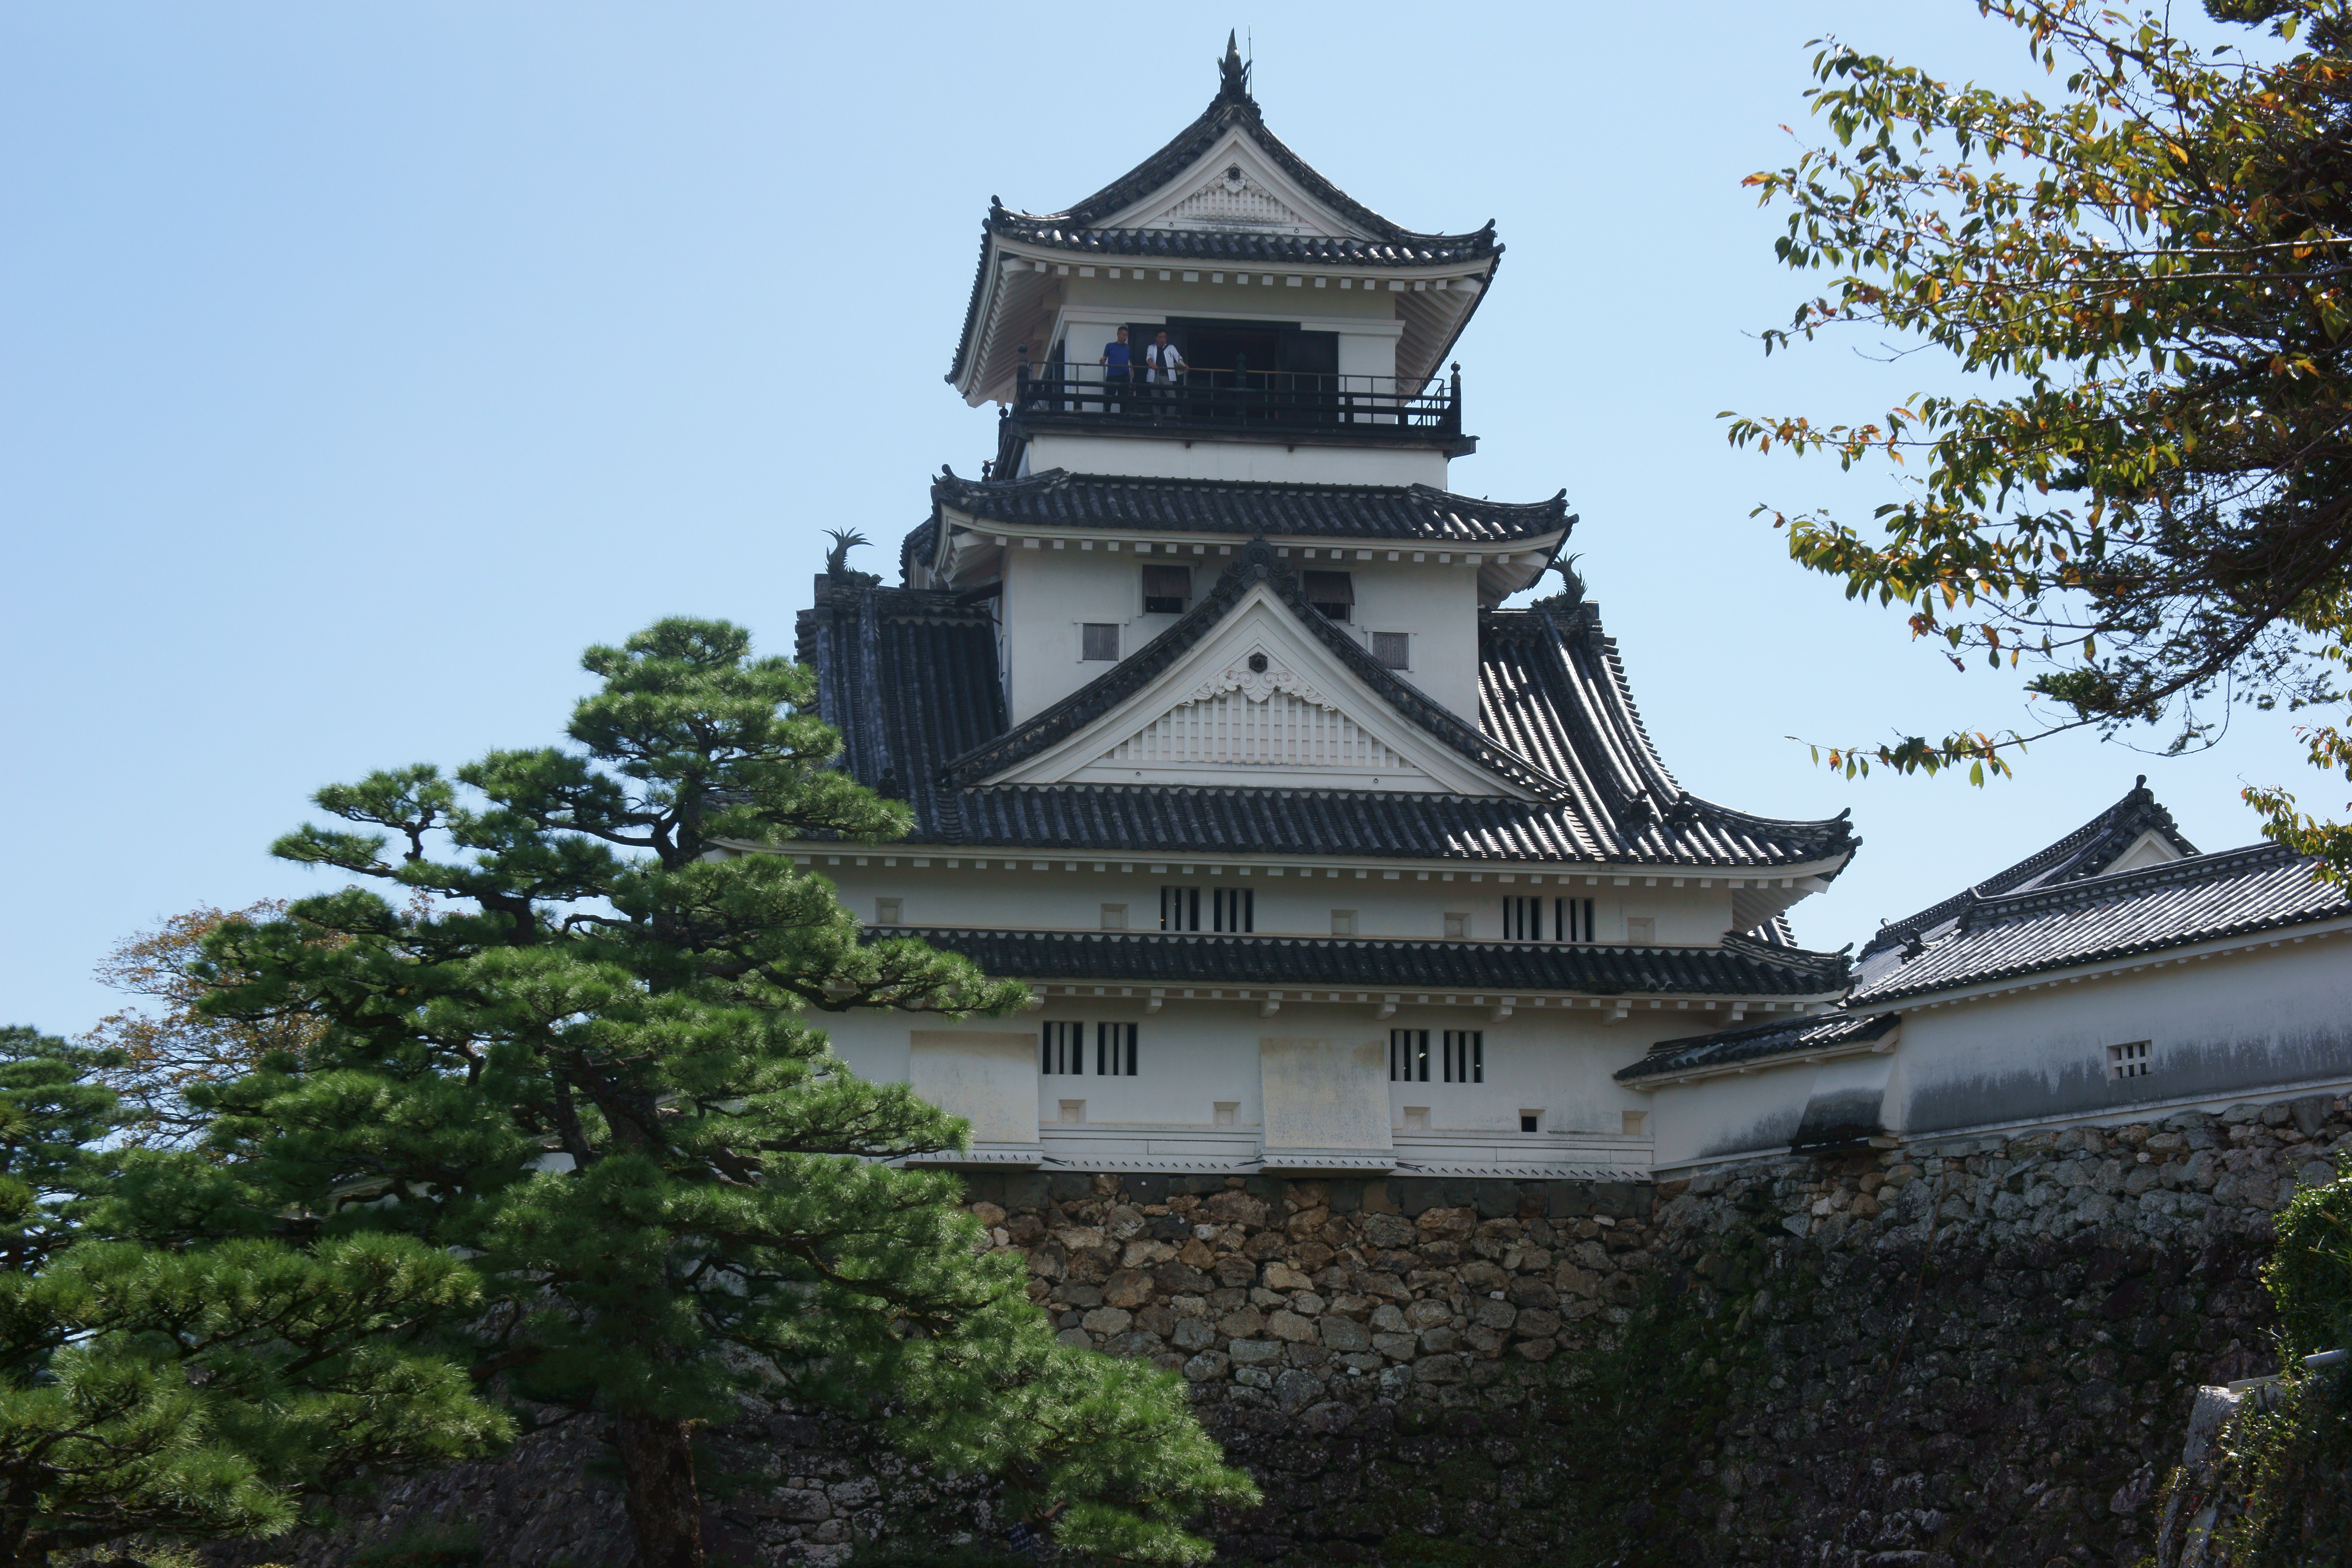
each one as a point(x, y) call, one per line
point(2224, 1026)
point(2265, 1022)
point(1194, 1058)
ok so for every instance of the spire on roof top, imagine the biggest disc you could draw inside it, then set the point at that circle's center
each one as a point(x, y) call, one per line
point(1233, 75)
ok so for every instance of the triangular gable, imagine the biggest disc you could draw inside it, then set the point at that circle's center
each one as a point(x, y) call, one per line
point(1260, 701)
point(1235, 187)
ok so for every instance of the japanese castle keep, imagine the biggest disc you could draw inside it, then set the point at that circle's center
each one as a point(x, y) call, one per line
point(1315, 858)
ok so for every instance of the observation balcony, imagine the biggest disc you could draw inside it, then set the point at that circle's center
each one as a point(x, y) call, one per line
point(1237, 404)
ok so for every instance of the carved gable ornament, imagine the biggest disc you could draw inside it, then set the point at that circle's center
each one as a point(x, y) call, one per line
point(1233, 200)
point(1258, 675)
point(1233, 188)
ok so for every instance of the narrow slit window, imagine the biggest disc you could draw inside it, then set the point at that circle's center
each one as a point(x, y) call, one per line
point(1466, 1055)
point(1393, 649)
point(1332, 592)
point(1167, 589)
point(1115, 1050)
point(1179, 908)
point(1408, 1055)
point(1063, 1050)
point(2130, 1060)
point(1234, 909)
point(1098, 640)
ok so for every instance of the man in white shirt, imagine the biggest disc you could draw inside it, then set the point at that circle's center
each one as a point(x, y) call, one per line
point(1162, 362)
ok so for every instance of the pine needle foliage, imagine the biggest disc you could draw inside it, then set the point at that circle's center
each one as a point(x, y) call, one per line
point(197, 1390)
point(586, 1061)
point(2150, 508)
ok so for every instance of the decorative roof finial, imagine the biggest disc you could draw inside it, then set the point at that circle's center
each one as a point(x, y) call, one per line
point(1233, 75)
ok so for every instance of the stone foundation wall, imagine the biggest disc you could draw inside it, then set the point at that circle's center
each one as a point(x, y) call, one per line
point(1933, 1355)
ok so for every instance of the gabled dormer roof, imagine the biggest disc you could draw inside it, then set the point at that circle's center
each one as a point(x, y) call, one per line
point(909, 677)
point(1224, 191)
point(2135, 832)
point(1234, 114)
point(1259, 582)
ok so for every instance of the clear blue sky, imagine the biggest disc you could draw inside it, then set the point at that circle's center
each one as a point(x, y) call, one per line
point(361, 363)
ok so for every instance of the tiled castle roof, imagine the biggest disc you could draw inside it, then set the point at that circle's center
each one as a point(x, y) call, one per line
point(2096, 920)
point(1414, 513)
point(1739, 968)
point(910, 677)
point(1786, 1037)
point(1079, 227)
point(2088, 851)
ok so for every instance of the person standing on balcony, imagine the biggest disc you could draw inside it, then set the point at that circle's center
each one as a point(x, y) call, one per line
point(1118, 371)
point(1161, 363)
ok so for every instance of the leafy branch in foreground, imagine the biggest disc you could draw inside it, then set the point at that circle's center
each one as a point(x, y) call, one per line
point(2152, 511)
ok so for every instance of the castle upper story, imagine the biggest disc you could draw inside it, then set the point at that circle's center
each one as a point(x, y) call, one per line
point(1314, 334)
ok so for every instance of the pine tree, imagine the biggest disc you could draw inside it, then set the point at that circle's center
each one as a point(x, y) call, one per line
point(203, 1388)
point(588, 1064)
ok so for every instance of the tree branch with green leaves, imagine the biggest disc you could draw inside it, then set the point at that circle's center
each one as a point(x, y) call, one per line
point(2147, 508)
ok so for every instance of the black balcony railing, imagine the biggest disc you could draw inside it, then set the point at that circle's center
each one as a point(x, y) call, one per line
point(1245, 398)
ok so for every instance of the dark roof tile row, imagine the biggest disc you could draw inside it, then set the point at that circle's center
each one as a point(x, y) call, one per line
point(1415, 513)
point(2096, 920)
point(1788, 1036)
point(1375, 964)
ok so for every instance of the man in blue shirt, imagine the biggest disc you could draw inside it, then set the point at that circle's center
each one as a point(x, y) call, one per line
point(1118, 370)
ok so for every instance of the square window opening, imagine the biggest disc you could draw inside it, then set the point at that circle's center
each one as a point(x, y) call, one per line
point(1114, 917)
point(1167, 589)
point(1635, 1124)
point(1074, 1112)
point(1640, 930)
point(886, 910)
point(1457, 925)
point(1416, 1118)
point(1227, 1112)
point(1332, 592)
point(1393, 649)
point(1098, 640)
point(2128, 1060)
point(1530, 1120)
point(1343, 922)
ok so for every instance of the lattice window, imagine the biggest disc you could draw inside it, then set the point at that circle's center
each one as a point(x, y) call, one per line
point(1571, 920)
point(1408, 1055)
point(1062, 1049)
point(1466, 1055)
point(1115, 1050)
point(1179, 908)
point(2128, 1060)
point(1234, 909)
